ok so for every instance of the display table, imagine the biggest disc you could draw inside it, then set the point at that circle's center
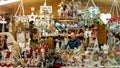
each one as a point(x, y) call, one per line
point(69, 67)
point(77, 67)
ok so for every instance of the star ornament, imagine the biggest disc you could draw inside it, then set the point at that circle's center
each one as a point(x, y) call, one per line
point(32, 17)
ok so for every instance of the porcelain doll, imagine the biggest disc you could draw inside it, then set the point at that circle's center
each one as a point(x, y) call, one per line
point(87, 36)
point(43, 24)
point(74, 9)
point(28, 51)
point(96, 46)
point(96, 61)
point(57, 48)
point(37, 21)
point(56, 32)
point(20, 37)
point(111, 58)
point(111, 39)
point(43, 53)
point(87, 33)
point(105, 48)
point(22, 47)
point(16, 55)
point(63, 11)
point(4, 53)
point(87, 61)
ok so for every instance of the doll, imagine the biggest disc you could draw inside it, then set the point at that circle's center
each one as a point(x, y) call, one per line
point(20, 37)
point(16, 55)
point(58, 42)
point(87, 35)
point(96, 46)
point(63, 11)
point(105, 48)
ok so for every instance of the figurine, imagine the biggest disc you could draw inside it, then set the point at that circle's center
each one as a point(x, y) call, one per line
point(63, 11)
point(105, 48)
point(87, 36)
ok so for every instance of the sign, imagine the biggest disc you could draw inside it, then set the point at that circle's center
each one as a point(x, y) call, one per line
point(46, 9)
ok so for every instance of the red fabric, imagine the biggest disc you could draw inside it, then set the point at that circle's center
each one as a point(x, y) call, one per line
point(9, 65)
point(5, 64)
point(2, 65)
point(8, 55)
point(115, 19)
point(58, 65)
point(1, 19)
point(30, 54)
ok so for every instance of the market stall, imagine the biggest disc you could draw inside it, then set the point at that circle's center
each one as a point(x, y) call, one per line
point(77, 38)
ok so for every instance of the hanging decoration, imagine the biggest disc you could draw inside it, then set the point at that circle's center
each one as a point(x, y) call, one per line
point(20, 14)
point(32, 16)
point(104, 17)
point(34, 51)
point(2, 20)
point(114, 21)
point(115, 8)
point(115, 12)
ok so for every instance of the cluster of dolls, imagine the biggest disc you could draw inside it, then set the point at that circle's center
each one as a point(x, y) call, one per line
point(90, 52)
point(69, 10)
point(92, 57)
point(21, 52)
point(73, 10)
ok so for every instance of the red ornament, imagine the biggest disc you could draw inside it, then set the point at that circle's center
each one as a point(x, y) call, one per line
point(58, 65)
point(119, 18)
point(117, 49)
point(1, 19)
point(2, 65)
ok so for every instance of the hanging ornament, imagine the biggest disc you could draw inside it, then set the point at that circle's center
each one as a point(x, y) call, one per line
point(104, 17)
point(2, 20)
point(32, 16)
point(20, 17)
point(115, 8)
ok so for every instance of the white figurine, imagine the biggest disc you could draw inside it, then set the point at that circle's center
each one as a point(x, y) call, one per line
point(22, 46)
point(87, 33)
point(105, 48)
point(96, 46)
point(43, 53)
